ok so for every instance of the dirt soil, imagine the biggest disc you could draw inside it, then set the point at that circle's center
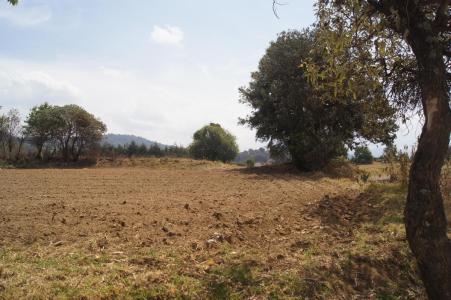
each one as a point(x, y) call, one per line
point(199, 231)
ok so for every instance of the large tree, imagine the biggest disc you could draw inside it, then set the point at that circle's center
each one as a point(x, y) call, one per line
point(212, 142)
point(313, 127)
point(70, 128)
point(404, 45)
point(76, 130)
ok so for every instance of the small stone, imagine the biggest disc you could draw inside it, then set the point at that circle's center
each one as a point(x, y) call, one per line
point(59, 243)
point(210, 243)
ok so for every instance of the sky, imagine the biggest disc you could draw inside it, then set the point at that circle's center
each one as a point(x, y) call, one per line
point(160, 69)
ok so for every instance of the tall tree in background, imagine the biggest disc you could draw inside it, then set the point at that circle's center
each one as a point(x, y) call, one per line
point(40, 126)
point(362, 155)
point(70, 128)
point(404, 45)
point(76, 130)
point(313, 127)
point(212, 142)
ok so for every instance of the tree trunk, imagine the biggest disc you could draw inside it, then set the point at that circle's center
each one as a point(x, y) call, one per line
point(19, 149)
point(39, 146)
point(425, 218)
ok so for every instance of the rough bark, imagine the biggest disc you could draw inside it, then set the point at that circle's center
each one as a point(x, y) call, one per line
point(425, 218)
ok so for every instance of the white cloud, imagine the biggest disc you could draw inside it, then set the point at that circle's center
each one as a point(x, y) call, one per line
point(111, 72)
point(23, 90)
point(25, 16)
point(166, 106)
point(167, 35)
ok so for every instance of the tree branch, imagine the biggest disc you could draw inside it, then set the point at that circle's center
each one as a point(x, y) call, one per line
point(274, 7)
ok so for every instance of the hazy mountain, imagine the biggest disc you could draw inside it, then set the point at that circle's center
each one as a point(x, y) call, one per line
point(126, 139)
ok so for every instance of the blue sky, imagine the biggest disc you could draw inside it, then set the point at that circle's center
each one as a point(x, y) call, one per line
point(160, 69)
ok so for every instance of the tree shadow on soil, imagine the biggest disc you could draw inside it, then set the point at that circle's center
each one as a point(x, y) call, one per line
point(283, 171)
point(376, 259)
point(53, 164)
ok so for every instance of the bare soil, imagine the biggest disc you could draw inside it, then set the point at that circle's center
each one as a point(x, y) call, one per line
point(193, 230)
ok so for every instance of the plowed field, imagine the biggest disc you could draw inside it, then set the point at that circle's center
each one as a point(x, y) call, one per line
point(212, 231)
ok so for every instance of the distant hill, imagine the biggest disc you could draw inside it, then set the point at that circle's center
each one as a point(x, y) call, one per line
point(126, 139)
point(259, 155)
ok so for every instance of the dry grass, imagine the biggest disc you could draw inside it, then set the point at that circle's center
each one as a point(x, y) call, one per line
point(206, 231)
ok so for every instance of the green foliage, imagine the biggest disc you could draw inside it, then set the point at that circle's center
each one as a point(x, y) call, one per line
point(76, 131)
point(41, 126)
point(260, 155)
point(312, 125)
point(219, 290)
point(250, 163)
point(362, 155)
point(132, 149)
point(142, 150)
point(363, 59)
point(69, 130)
point(212, 142)
point(13, 2)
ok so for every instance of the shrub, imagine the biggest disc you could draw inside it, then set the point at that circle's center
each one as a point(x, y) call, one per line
point(250, 163)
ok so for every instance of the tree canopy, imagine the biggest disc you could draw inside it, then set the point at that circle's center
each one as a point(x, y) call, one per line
point(314, 126)
point(212, 142)
point(69, 129)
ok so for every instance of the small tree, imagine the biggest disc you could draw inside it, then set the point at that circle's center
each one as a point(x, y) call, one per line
point(155, 150)
point(362, 155)
point(250, 162)
point(142, 150)
point(212, 142)
point(132, 149)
